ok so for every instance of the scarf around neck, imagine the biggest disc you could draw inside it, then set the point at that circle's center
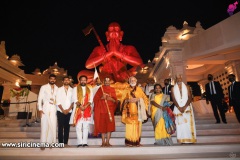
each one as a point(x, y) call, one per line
point(181, 100)
point(80, 93)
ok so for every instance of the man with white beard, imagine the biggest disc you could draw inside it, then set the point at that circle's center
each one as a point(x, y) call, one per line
point(134, 107)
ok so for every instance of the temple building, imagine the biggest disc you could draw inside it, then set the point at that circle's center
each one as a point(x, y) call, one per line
point(195, 52)
point(11, 76)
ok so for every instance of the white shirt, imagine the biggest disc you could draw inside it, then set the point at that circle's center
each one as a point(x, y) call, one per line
point(231, 89)
point(64, 97)
point(166, 89)
point(45, 95)
point(148, 88)
point(95, 89)
point(212, 86)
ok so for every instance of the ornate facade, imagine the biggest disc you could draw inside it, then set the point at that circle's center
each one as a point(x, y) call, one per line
point(194, 53)
point(11, 76)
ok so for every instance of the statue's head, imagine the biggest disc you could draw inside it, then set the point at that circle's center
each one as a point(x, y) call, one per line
point(114, 31)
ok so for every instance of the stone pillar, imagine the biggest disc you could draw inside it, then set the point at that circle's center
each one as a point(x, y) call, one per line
point(6, 90)
point(236, 69)
point(233, 67)
point(179, 68)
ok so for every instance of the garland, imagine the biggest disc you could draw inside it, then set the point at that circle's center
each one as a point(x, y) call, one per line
point(19, 92)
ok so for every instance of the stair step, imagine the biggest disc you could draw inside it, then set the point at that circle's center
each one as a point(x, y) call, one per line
point(35, 134)
point(16, 123)
point(205, 127)
point(214, 141)
point(195, 151)
point(145, 127)
point(144, 140)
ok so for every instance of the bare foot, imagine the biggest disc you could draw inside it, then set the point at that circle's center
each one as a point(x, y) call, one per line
point(108, 145)
point(103, 145)
point(129, 145)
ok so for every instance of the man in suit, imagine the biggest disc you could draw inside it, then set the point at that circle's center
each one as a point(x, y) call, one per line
point(234, 95)
point(214, 94)
point(167, 90)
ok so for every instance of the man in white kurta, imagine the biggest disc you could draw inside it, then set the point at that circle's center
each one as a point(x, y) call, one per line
point(183, 111)
point(64, 109)
point(81, 115)
point(94, 90)
point(48, 110)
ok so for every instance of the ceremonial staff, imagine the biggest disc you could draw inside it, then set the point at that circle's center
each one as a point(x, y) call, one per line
point(97, 76)
point(86, 31)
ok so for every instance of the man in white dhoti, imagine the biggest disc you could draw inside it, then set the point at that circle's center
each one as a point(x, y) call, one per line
point(81, 115)
point(48, 111)
point(183, 111)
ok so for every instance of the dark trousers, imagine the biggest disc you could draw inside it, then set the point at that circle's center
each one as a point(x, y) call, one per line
point(217, 106)
point(236, 107)
point(63, 126)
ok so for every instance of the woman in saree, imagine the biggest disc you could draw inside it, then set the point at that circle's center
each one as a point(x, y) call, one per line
point(162, 137)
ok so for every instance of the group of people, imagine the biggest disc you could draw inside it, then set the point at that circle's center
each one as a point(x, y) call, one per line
point(61, 107)
point(183, 121)
point(82, 105)
point(215, 95)
point(64, 106)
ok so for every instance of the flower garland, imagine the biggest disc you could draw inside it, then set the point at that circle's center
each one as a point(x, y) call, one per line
point(19, 92)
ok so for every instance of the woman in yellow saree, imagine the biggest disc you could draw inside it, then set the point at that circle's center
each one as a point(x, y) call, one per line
point(162, 137)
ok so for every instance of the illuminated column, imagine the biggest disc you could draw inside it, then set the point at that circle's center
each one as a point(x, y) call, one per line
point(6, 90)
point(236, 69)
point(179, 69)
point(233, 67)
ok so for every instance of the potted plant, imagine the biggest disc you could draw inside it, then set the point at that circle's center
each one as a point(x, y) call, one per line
point(5, 102)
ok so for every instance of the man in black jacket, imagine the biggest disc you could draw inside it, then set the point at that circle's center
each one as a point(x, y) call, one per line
point(167, 90)
point(214, 94)
point(234, 95)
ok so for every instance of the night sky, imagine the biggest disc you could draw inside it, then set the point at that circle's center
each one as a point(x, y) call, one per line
point(45, 32)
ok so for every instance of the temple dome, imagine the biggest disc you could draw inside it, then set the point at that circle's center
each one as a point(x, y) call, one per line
point(55, 69)
point(37, 71)
point(16, 60)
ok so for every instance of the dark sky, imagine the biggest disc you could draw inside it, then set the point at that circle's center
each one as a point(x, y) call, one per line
point(45, 32)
